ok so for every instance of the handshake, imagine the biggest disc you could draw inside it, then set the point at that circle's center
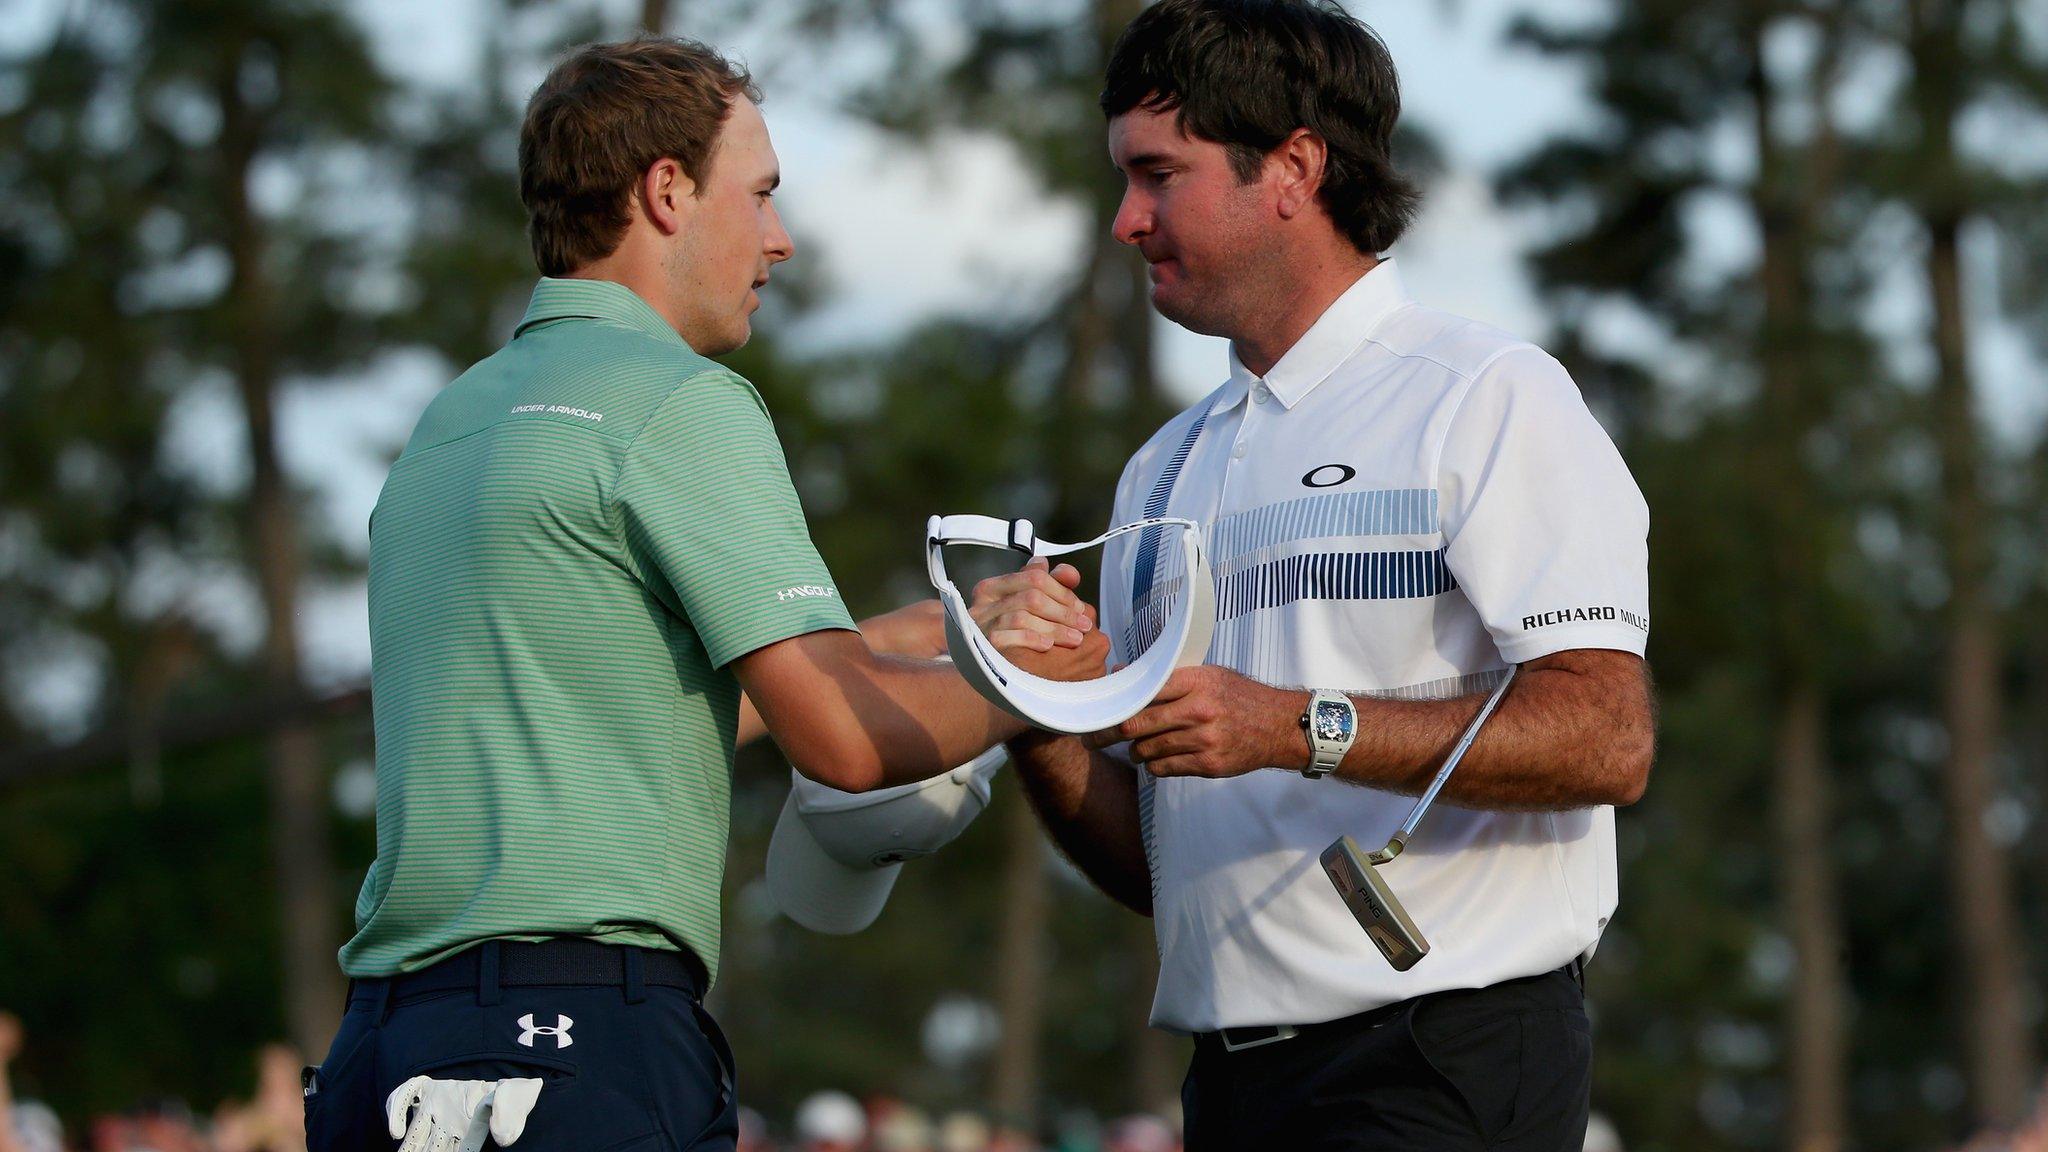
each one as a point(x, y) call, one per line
point(1036, 620)
point(1198, 722)
point(1027, 643)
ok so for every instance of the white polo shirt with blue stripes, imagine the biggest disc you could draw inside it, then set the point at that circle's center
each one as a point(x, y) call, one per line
point(1405, 504)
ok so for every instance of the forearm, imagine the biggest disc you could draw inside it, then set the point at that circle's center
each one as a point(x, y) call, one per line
point(879, 721)
point(1088, 802)
point(1575, 730)
point(751, 726)
point(912, 630)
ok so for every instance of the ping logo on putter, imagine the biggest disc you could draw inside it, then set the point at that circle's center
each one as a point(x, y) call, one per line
point(560, 1031)
point(1374, 905)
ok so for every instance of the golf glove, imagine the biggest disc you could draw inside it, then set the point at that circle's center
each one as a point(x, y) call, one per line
point(456, 1115)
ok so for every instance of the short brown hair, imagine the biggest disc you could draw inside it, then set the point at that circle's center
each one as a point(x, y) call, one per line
point(604, 116)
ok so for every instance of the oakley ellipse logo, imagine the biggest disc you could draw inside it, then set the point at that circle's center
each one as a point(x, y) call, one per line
point(1329, 476)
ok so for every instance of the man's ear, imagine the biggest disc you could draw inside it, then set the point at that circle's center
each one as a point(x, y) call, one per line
point(666, 195)
point(1300, 161)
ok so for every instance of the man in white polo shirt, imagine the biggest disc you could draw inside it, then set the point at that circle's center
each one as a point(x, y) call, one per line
point(1399, 504)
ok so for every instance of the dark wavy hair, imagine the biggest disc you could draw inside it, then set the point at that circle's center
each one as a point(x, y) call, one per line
point(1246, 73)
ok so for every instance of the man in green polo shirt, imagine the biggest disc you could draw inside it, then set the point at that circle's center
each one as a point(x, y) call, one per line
point(588, 548)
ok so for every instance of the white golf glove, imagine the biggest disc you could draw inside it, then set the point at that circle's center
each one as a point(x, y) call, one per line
point(456, 1115)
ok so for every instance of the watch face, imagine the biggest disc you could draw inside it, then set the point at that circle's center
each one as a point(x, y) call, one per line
point(1333, 721)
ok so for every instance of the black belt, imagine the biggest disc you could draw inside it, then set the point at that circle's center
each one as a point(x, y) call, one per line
point(561, 962)
point(1259, 1035)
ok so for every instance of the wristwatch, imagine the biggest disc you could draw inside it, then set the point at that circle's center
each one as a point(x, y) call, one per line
point(1331, 722)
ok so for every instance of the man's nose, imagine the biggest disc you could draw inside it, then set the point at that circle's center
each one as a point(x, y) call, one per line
point(778, 246)
point(1133, 218)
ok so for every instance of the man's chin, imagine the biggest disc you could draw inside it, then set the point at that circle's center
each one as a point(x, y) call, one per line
point(724, 342)
point(1175, 305)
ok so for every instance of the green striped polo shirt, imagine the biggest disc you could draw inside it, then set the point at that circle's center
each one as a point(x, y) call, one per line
point(582, 534)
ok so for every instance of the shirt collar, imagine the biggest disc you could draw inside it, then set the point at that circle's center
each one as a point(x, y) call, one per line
point(607, 300)
point(1331, 340)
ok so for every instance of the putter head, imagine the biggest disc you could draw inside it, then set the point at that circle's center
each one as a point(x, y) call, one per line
point(1373, 904)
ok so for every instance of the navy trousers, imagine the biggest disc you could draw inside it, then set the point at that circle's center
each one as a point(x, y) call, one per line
point(1507, 1067)
point(627, 1065)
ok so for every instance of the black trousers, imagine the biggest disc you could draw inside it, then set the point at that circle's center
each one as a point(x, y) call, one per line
point(1504, 1067)
point(629, 1059)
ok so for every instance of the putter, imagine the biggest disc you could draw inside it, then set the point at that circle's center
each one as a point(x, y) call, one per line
point(1355, 872)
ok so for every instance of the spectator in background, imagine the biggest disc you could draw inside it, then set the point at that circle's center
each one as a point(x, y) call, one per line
point(831, 1122)
point(275, 1120)
point(159, 1126)
point(1602, 1135)
point(963, 1132)
point(894, 1126)
point(1141, 1133)
point(753, 1132)
point(10, 1047)
point(28, 1126)
point(1008, 1139)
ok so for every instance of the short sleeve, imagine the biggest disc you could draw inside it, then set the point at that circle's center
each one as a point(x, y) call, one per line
point(1545, 530)
point(713, 523)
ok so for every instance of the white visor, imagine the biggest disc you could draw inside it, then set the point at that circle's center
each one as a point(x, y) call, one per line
point(834, 856)
point(1084, 705)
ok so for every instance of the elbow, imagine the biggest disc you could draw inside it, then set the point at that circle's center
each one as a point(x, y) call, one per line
point(1629, 774)
point(849, 766)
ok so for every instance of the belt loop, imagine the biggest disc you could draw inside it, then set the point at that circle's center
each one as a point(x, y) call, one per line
point(636, 988)
point(488, 992)
point(380, 999)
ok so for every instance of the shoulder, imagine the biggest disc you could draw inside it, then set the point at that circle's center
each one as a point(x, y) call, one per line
point(675, 391)
point(1467, 349)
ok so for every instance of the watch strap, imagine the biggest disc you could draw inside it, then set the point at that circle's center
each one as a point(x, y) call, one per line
point(1324, 754)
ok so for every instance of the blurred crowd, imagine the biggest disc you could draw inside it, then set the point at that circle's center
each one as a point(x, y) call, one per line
point(273, 1120)
point(833, 1121)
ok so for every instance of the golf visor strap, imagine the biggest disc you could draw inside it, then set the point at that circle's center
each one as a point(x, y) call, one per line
point(1061, 706)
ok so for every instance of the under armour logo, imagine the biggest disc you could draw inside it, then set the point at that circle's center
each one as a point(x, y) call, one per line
point(560, 1031)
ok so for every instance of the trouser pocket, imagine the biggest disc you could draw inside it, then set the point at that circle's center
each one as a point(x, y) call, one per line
point(722, 1130)
point(1524, 1077)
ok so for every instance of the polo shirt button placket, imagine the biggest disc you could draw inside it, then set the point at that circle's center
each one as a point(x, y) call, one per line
point(1261, 394)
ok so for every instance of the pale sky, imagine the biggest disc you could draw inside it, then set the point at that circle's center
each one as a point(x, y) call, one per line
point(904, 234)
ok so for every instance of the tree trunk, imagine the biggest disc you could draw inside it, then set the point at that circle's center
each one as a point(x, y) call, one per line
point(1021, 962)
point(1815, 1019)
point(1814, 1012)
point(1980, 883)
point(654, 16)
point(298, 812)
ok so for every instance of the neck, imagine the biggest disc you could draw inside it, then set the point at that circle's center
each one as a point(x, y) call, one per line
point(1316, 286)
point(641, 271)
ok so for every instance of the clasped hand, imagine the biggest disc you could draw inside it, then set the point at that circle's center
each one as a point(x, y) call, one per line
point(1206, 721)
